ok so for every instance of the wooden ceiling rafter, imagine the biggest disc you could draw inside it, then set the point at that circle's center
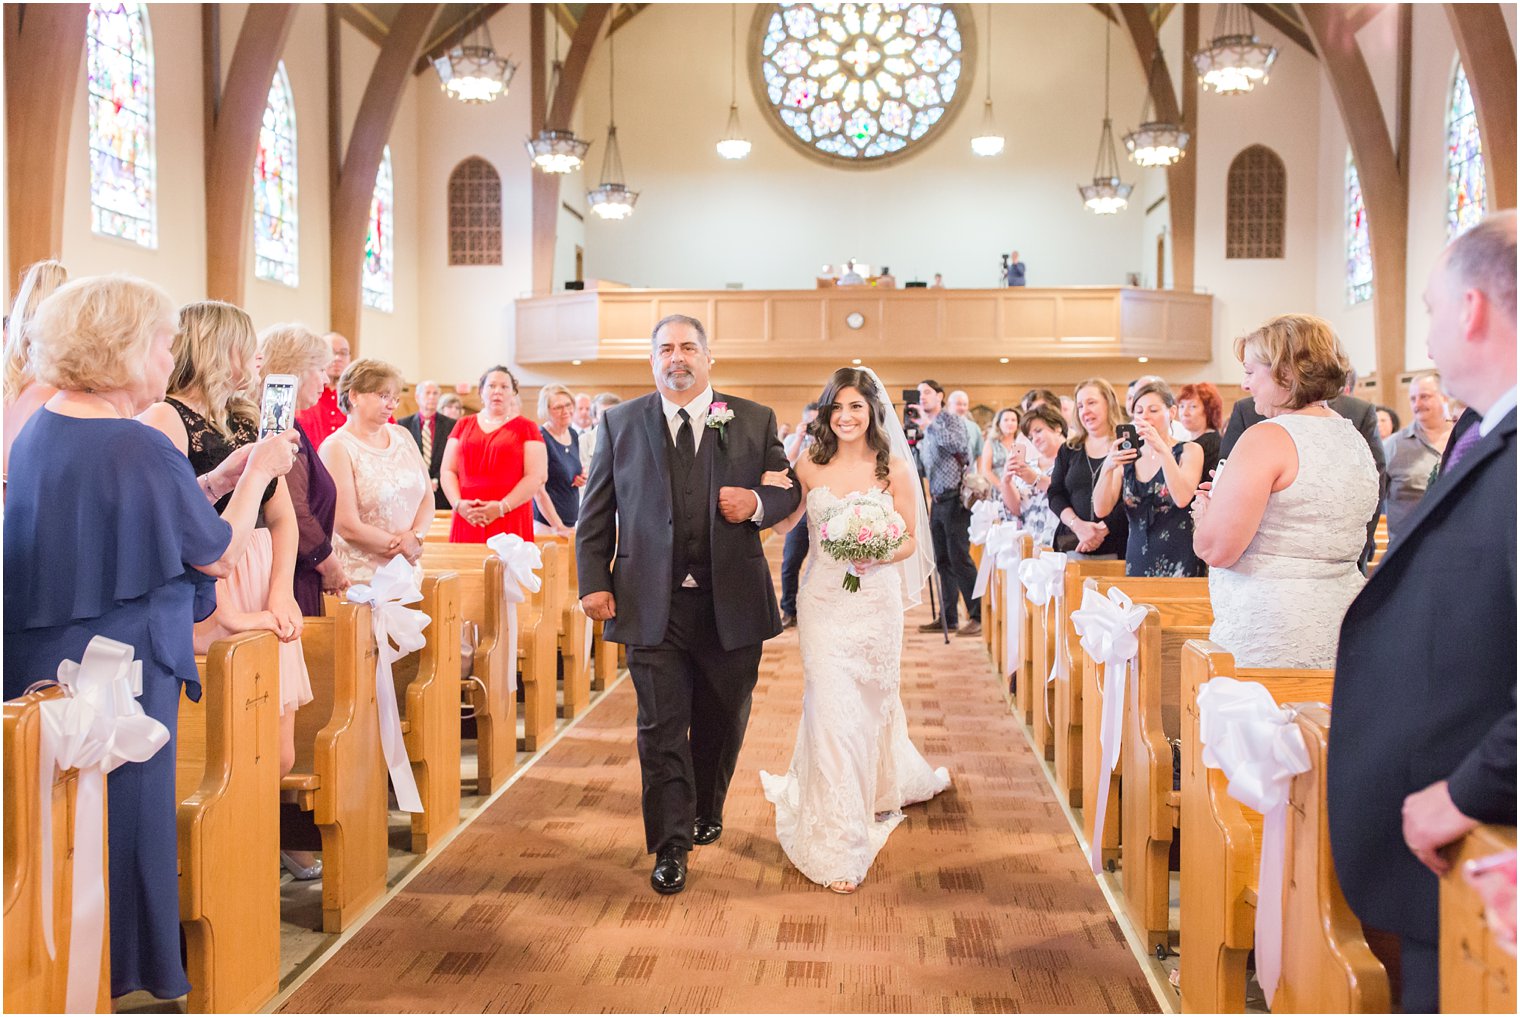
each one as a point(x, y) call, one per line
point(1285, 25)
point(451, 36)
point(369, 24)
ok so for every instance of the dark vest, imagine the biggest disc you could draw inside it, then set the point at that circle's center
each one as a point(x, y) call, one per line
point(691, 514)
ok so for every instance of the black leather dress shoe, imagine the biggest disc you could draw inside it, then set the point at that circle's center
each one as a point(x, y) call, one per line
point(707, 831)
point(669, 875)
point(788, 621)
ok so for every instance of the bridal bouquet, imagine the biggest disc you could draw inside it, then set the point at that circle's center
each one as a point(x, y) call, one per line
point(861, 529)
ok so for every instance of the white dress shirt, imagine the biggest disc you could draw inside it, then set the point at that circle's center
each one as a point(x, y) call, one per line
point(1496, 412)
point(696, 410)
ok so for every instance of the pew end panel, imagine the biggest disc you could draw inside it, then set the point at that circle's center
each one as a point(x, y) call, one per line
point(429, 702)
point(228, 782)
point(1477, 976)
point(538, 655)
point(1067, 734)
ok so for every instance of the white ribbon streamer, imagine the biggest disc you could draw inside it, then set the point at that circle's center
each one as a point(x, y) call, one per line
point(1042, 577)
point(985, 516)
point(398, 632)
point(997, 540)
point(1107, 626)
point(96, 726)
point(1013, 604)
point(522, 559)
point(1255, 742)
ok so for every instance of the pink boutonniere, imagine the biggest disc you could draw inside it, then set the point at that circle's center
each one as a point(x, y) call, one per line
point(719, 416)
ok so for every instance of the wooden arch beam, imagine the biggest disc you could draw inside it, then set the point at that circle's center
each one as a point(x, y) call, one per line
point(1489, 58)
point(44, 48)
point(235, 118)
point(546, 185)
point(354, 184)
point(1182, 177)
point(1385, 188)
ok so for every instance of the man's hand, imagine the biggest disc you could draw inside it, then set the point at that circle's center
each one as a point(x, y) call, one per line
point(1432, 821)
point(737, 504)
point(599, 606)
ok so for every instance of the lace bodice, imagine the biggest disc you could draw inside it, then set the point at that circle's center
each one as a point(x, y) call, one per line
point(389, 485)
point(1281, 603)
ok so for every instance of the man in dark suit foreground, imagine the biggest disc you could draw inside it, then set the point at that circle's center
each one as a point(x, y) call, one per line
point(669, 554)
point(1422, 735)
point(430, 430)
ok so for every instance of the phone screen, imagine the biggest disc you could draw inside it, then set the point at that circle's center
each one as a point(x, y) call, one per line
point(277, 410)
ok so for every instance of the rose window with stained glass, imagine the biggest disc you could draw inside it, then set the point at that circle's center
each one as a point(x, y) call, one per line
point(862, 83)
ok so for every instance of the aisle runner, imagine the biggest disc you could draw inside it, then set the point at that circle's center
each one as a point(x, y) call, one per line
point(980, 902)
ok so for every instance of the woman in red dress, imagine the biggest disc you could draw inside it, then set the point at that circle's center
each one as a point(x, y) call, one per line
point(493, 465)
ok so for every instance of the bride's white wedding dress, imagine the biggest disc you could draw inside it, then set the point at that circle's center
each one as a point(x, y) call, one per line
point(853, 761)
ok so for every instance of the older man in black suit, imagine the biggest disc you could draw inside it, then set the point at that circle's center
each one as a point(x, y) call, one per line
point(1422, 737)
point(430, 430)
point(669, 554)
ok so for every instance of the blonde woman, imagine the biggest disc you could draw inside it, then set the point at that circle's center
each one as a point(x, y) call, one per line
point(385, 496)
point(23, 393)
point(1076, 472)
point(556, 504)
point(208, 414)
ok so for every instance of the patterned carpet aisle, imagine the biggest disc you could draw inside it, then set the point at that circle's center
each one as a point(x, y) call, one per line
point(980, 901)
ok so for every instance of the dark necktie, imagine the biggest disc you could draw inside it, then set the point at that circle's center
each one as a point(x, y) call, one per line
point(686, 443)
point(1464, 445)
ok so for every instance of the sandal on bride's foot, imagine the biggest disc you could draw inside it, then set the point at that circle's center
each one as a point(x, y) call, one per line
point(843, 886)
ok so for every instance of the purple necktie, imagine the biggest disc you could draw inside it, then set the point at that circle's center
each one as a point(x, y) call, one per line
point(1464, 445)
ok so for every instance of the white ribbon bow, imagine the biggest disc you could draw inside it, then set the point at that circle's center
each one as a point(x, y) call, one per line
point(392, 587)
point(522, 559)
point(997, 540)
point(95, 727)
point(1107, 626)
point(984, 517)
point(1042, 577)
point(1255, 742)
point(1009, 561)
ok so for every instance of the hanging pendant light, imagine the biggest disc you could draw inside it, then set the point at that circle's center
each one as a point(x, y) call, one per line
point(556, 151)
point(473, 71)
point(734, 144)
point(1234, 61)
point(1156, 142)
point(611, 199)
point(1107, 193)
point(988, 141)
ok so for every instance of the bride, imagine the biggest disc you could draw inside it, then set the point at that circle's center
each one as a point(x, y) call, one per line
point(853, 768)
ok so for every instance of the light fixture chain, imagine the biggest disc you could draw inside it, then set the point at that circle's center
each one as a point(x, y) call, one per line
point(989, 52)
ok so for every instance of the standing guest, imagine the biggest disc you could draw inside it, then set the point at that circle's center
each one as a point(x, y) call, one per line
point(1016, 270)
point(1134, 386)
point(23, 393)
point(1083, 532)
point(944, 453)
point(430, 430)
point(1423, 745)
point(108, 532)
point(1069, 411)
point(451, 406)
point(850, 276)
point(1026, 479)
point(1200, 411)
point(599, 405)
point(1283, 526)
point(938, 283)
point(1155, 485)
point(794, 549)
point(556, 504)
point(959, 404)
point(494, 464)
point(1036, 396)
point(1388, 422)
point(297, 350)
point(1003, 442)
point(385, 501)
point(886, 280)
point(584, 418)
point(321, 420)
point(783, 431)
point(1414, 453)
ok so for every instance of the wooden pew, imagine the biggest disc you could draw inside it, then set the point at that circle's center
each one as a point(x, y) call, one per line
point(570, 623)
point(427, 694)
point(227, 783)
point(1379, 543)
point(438, 529)
point(483, 605)
point(1221, 839)
point(340, 774)
point(35, 982)
point(1477, 976)
point(1066, 712)
point(1327, 966)
point(1028, 676)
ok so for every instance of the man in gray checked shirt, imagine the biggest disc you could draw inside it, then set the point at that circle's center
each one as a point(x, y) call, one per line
point(944, 454)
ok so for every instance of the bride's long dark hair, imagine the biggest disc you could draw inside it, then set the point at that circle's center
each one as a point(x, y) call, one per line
point(826, 442)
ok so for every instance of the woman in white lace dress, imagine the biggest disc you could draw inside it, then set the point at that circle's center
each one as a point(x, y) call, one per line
point(1284, 524)
point(854, 768)
point(385, 497)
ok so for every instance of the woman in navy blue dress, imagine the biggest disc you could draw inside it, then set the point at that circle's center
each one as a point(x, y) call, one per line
point(557, 504)
point(108, 531)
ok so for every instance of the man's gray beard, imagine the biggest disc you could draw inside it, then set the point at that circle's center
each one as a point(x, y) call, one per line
point(676, 384)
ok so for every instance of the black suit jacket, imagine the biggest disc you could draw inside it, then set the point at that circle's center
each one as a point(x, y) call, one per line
point(1360, 412)
point(443, 426)
point(1425, 685)
point(623, 539)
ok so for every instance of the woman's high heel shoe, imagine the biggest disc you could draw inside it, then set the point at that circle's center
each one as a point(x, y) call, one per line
point(299, 871)
point(843, 886)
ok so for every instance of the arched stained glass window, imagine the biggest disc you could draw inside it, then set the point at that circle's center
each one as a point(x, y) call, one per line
point(123, 177)
point(1466, 194)
point(474, 213)
point(1256, 204)
point(1358, 244)
point(379, 245)
point(275, 235)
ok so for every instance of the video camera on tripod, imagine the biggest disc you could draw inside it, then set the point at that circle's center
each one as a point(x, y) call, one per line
point(911, 425)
